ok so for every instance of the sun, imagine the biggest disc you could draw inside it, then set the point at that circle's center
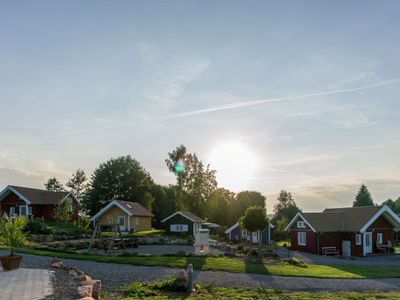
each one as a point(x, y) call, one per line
point(235, 164)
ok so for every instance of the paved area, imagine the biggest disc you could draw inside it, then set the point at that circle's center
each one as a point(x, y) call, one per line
point(117, 274)
point(25, 284)
point(336, 261)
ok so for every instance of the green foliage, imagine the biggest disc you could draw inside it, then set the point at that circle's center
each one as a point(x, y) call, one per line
point(393, 205)
point(148, 200)
point(255, 219)
point(286, 206)
point(220, 207)
point(195, 182)
point(63, 210)
point(122, 178)
point(53, 185)
point(12, 232)
point(77, 183)
point(363, 197)
point(83, 224)
point(37, 226)
point(147, 289)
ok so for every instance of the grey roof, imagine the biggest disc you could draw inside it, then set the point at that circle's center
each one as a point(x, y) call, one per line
point(38, 196)
point(349, 219)
point(189, 215)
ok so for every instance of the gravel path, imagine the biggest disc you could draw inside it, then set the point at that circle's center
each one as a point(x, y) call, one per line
point(113, 275)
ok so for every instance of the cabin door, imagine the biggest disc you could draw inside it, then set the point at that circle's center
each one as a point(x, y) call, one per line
point(121, 223)
point(368, 242)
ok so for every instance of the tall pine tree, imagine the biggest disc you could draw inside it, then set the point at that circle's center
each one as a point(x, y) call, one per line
point(363, 197)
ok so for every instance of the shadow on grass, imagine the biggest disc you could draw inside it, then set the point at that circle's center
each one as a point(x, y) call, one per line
point(370, 271)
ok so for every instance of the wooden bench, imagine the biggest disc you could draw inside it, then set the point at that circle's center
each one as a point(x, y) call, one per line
point(330, 251)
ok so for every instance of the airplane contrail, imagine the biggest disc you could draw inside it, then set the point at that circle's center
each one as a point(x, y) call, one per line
point(234, 105)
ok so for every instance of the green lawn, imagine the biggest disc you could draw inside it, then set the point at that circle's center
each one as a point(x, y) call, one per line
point(62, 227)
point(233, 265)
point(139, 290)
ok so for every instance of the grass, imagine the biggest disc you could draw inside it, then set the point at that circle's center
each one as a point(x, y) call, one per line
point(157, 290)
point(281, 243)
point(59, 227)
point(232, 265)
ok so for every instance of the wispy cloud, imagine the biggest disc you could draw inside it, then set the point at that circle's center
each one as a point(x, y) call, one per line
point(356, 119)
point(230, 106)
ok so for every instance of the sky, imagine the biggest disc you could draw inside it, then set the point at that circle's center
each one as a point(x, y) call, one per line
point(294, 95)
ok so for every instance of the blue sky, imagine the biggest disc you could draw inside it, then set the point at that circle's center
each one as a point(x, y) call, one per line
point(83, 81)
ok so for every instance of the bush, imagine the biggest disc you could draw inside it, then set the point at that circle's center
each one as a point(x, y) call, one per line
point(37, 226)
point(296, 262)
point(148, 289)
point(83, 224)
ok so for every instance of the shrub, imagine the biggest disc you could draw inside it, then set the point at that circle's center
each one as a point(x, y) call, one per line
point(83, 224)
point(11, 233)
point(37, 226)
point(296, 262)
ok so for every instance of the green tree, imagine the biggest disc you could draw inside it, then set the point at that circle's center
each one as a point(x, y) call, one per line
point(78, 183)
point(363, 197)
point(220, 207)
point(195, 181)
point(121, 178)
point(200, 184)
point(63, 210)
point(53, 185)
point(244, 200)
point(393, 205)
point(255, 220)
point(178, 162)
point(148, 200)
point(286, 206)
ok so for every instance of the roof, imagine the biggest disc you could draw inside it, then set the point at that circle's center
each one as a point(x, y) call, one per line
point(234, 226)
point(346, 219)
point(135, 208)
point(131, 208)
point(35, 196)
point(186, 214)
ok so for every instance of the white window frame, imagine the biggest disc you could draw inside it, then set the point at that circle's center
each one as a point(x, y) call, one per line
point(29, 210)
point(20, 210)
point(179, 228)
point(379, 238)
point(301, 238)
point(12, 211)
point(358, 239)
point(137, 220)
point(301, 224)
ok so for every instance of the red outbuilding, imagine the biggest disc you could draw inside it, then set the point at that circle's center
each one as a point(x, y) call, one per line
point(349, 231)
point(35, 203)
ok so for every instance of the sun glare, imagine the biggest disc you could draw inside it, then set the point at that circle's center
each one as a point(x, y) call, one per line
point(235, 164)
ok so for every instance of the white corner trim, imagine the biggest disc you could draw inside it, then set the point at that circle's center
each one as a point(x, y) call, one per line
point(22, 197)
point(377, 215)
point(178, 213)
point(229, 230)
point(107, 207)
point(295, 218)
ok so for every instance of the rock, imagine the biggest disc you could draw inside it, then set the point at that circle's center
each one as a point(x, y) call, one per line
point(182, 280)
point(85, 278)
point(86, 282)
point(73, 273)
point(86, 298)
point(55, 259)
point(57, 264)
point(96, 289)
point(85, 291)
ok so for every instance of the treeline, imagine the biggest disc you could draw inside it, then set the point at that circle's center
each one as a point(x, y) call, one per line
point(196, 189)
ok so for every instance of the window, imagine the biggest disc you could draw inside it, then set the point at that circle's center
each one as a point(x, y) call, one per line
point(301, 238)
point(12, 211)
point(137, 220)
point(379, 238)
point(358, 239)
point(178, 228)
point(22, 210)
point(301, 224)
point(30, 210)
